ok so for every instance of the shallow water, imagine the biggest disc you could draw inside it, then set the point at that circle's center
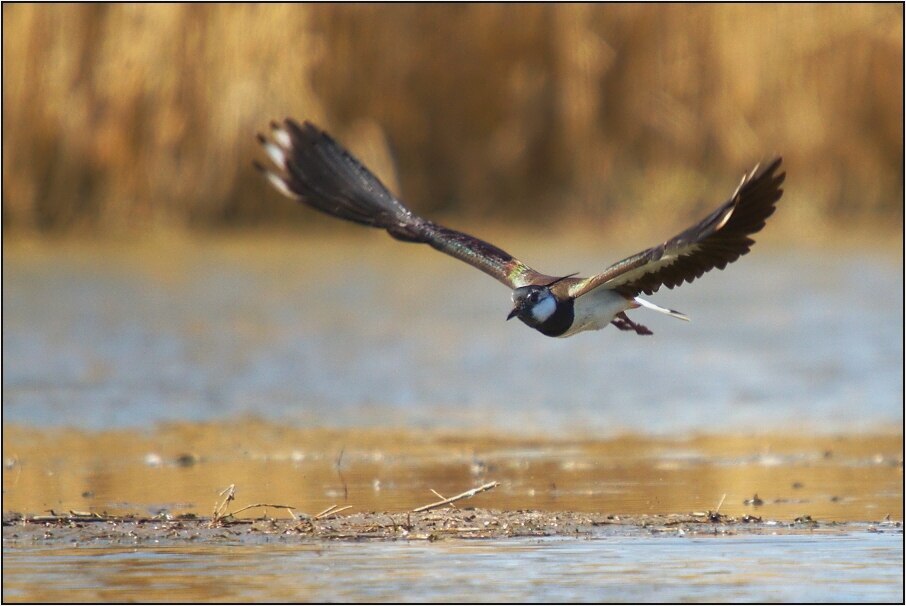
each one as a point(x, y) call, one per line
point(147, 378)
point(365, 332)
point(857, 566)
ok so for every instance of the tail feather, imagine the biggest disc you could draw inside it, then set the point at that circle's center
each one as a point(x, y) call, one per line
point(670, 312)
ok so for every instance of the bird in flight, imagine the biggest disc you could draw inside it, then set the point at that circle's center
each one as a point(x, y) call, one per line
point(314, 169)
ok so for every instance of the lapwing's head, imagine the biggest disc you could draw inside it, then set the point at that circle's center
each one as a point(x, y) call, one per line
point(533, 304)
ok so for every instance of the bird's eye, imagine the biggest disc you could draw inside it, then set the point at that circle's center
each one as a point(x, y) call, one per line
point(533, 296)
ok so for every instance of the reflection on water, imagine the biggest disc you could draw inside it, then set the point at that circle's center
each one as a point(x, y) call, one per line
point(852, 567)
point(370, 332)
point(182, 468)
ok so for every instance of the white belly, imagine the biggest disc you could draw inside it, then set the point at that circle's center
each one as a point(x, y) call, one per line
point(595, 310)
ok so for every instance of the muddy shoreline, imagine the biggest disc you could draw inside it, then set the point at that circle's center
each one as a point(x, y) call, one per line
point(467, 523)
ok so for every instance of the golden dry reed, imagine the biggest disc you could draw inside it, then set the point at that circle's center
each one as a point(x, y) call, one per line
point(136, 116)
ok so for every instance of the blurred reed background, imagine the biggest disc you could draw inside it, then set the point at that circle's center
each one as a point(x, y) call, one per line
point(131, 117)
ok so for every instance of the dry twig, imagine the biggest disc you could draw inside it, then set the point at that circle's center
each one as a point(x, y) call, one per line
point(230, 492)
point(331, 511)
point(287, 507)
point(466, 495)
point(721, 503)
point(219, 508)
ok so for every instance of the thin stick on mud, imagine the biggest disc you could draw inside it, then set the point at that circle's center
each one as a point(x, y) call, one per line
point(332, 510)
point(721, 503)
point(440, 496)
point(230, 493)
point(466, 495)
point(326, 511)
point(287, 507)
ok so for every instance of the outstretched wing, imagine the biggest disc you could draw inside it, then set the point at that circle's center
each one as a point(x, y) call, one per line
point(318, 171)
point(719, 239)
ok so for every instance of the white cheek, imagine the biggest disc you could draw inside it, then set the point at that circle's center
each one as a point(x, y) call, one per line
point(544, 309)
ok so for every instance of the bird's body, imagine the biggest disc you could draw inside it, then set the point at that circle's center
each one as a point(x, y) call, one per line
point(316, 170)
point(596, 310)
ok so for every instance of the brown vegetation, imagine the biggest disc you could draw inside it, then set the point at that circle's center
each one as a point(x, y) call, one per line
point(130, 116)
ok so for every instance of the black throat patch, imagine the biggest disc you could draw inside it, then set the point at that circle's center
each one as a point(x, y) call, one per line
point(560, 320)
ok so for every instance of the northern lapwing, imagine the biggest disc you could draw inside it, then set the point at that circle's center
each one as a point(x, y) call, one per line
point(316, 170)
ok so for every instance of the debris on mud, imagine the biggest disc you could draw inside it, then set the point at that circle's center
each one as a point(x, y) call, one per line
point(469, 523)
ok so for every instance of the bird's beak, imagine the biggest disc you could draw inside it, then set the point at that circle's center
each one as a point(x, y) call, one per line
point(513, 313)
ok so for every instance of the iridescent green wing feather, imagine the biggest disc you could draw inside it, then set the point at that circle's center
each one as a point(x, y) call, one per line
point(482, 255)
